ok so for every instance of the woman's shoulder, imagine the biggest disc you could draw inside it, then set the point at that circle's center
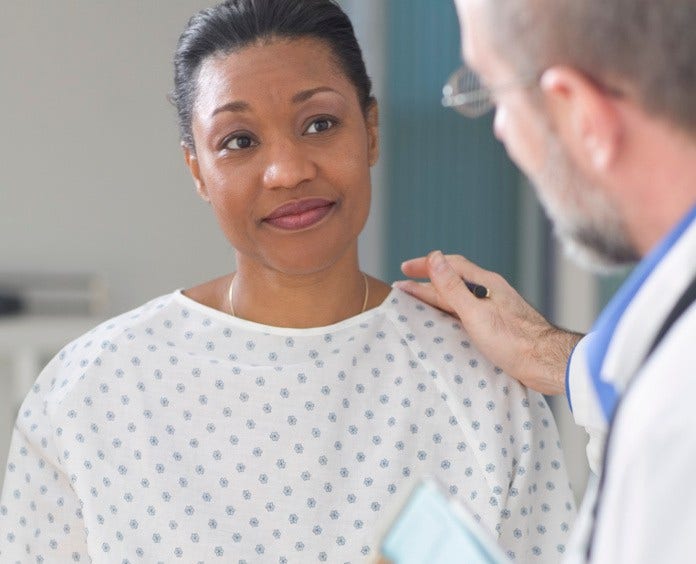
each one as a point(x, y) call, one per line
point(84, 353)
point(442, 345)
point(424, 322)
point(117, 327)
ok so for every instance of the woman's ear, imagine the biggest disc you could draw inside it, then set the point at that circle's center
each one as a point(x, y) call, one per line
point(192, 164)
point(372, 121)
point(584, 114)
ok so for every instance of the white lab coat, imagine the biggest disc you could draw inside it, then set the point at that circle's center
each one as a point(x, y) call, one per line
point(648, 506)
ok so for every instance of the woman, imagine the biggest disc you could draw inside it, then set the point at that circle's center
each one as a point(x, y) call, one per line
point(275, 414)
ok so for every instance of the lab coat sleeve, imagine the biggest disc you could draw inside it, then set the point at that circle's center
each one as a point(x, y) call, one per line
point(646, 513)
point(585, 405)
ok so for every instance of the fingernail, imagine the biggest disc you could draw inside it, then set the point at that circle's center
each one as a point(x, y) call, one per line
point(401, 284)
point(437, 261)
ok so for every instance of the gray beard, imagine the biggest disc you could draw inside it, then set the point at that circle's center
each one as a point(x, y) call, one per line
point(584, 219)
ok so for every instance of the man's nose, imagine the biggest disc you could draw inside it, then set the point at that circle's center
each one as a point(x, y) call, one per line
point(499, 124)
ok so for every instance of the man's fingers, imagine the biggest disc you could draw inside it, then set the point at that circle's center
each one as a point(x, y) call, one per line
point(415, 268)
point(467, 269)
point(418, 268)
point(449, 284)
point(425, 292)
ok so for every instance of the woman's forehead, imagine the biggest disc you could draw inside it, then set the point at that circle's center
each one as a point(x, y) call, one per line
point(303, 57)
point(280, 65)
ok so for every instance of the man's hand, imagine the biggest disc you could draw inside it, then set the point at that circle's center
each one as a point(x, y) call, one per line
point(505, 328)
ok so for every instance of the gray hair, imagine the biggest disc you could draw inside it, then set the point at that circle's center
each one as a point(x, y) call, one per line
point(649, 45)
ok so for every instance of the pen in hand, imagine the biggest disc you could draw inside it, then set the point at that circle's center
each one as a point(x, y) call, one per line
point(478, 290)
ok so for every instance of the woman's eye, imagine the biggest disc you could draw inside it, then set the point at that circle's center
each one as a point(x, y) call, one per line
point(240, 142)
point(319, 125)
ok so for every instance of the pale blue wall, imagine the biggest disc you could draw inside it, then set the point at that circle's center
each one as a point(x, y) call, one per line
point(449, 183)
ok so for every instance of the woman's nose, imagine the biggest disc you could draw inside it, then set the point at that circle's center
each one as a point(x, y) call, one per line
point(288, 165)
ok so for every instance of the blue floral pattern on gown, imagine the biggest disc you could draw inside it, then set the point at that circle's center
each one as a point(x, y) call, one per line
point(176, 432)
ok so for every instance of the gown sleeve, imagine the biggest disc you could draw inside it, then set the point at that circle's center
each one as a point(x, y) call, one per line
point(540, 506)
point(40, 513)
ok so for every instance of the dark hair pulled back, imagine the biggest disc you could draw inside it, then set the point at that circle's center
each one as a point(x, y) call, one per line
point(235, 24)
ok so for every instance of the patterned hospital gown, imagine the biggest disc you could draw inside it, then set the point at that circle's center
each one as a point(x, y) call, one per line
point(176, 432)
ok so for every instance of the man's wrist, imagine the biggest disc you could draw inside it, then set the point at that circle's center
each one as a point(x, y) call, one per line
point(568, 342)
point(551, 357)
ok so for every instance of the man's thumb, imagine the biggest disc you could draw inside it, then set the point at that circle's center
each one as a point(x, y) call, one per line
point(447, 282)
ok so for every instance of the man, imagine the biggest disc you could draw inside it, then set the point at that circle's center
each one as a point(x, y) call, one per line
point(596, 102)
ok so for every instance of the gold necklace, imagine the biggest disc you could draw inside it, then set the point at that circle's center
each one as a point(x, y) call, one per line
point(364, 306)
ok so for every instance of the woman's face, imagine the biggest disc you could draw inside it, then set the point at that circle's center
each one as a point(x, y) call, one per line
point(283, 154)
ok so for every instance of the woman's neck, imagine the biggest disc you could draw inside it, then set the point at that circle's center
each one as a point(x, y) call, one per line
point(315, 299)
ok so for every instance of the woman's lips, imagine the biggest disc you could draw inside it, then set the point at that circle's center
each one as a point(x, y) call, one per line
point(299, 214)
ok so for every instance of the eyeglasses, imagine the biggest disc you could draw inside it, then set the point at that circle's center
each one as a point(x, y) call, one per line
point(465, 93)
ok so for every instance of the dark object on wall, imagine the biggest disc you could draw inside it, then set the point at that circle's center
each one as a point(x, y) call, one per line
point(54, 293)
point(10, 304)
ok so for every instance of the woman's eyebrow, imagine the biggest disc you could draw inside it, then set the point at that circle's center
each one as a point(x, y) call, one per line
point(302, 96)
point(237, 106)
point(305, 95)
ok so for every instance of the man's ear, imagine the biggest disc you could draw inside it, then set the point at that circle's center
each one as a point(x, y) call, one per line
point(584, 115)
point(192, 164)
point(372, 122)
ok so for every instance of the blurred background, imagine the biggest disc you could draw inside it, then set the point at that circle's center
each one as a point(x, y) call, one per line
point(98, 213)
